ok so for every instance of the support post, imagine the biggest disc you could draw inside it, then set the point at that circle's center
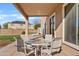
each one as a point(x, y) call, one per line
point(26, 29)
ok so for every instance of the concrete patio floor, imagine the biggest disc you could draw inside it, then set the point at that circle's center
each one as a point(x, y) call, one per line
point(11, 50)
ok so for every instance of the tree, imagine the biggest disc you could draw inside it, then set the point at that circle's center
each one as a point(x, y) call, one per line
point(36, 26)
point(5, 25)
point(0, 26)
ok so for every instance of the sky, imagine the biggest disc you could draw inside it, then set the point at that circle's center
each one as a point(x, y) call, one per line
point(9, 13)
point(34, 20)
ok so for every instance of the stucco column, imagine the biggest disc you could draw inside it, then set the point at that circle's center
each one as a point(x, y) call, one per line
point(43, 21)
point(26, 29)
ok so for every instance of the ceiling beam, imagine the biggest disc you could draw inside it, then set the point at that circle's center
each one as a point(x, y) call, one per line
point(55, 9)
point(18, 6)
point(52, 11)
point(37, 15)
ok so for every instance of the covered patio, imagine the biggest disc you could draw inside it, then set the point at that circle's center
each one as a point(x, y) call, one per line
point(43, 10)
point(46, 12)
point(52, 16)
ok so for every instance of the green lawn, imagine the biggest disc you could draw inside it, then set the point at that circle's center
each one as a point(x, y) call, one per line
point(9, 37)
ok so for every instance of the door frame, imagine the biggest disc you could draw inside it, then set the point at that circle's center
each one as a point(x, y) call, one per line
point(55, 22)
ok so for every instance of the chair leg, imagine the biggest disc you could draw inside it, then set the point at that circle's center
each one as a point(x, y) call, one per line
point(35, 52)
point(25, 50)
point(41, 51)
point(60, 50)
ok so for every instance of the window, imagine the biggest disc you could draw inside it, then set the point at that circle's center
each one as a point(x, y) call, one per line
point(68, 7)
point(71, 25)
point(78, 24)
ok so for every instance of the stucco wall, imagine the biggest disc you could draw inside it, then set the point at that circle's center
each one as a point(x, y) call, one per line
point(48, 26)
point(16, 26)
point(59, 17)
point(43, 20)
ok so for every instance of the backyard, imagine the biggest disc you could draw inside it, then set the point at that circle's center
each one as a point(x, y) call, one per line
point(7, 39)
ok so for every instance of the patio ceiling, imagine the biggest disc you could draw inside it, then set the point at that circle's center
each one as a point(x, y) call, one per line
point(36, 9)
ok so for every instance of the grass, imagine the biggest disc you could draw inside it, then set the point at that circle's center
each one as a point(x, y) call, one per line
point(9, 37)
point(31, 33)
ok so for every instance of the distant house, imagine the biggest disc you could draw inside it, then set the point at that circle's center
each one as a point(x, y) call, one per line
point(16, 25)
point(31, 26)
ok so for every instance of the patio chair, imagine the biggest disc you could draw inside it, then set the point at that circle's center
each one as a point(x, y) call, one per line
point(48, 39)
point(38, 32)
point(26, 47)
point(54, 48)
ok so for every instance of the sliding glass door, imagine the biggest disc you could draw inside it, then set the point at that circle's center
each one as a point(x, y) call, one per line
point(52, 25)
point(78, 24)
point(72, 23)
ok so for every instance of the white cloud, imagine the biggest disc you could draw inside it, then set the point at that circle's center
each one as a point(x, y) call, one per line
point(32, 17)
point(0, 17)
point(17, 16)
point(20, 17)
point(8, 15)
point(3, 15)
point(13, 15)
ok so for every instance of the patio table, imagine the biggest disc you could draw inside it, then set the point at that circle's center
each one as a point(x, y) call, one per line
point(35, 37)
point(37, 45)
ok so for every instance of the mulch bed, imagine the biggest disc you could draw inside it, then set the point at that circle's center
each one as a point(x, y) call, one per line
point(4, 43)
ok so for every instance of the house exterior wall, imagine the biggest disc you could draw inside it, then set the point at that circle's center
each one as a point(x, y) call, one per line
point(58, 17)
point(48, 26)
point(31, 26)
point(16, 26)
